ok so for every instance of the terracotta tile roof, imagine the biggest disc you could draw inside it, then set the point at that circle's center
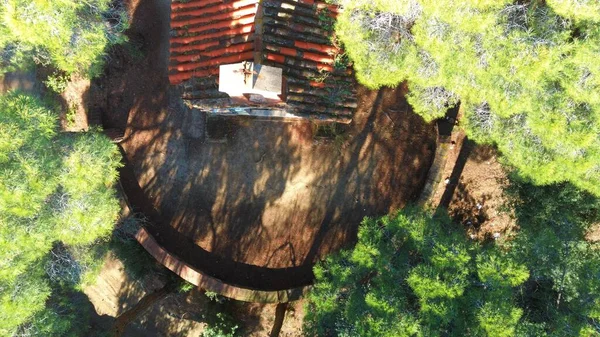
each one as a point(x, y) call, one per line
point(294, 35)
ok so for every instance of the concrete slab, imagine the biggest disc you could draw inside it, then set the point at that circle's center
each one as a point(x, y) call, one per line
point(267, 78)
point(253, 112)
point(242, 78)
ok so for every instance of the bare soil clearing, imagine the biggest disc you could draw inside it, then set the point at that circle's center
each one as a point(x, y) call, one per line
point(270, 196)
point(478, 202)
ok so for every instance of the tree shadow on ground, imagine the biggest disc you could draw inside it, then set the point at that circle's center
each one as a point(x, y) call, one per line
point(483, 153)
point(467, 210)
point(453, 180)
point(268, 196)
point(258, 209)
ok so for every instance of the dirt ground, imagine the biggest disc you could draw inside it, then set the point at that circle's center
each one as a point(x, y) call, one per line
point(480, 182)
point(115, 291)
point(271, 194)
point(478, 199)
point(74, 117)
point(472, 190)
point(250, 197)
point(267, 195)
point(188, 314)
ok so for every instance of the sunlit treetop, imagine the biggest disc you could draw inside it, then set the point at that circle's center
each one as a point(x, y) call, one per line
point(526, 74)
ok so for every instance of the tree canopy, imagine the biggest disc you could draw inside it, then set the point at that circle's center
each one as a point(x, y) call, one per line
point(526, 73)
point(413, 274)
point(562, 296)
point(55, 190)
point(68, 35)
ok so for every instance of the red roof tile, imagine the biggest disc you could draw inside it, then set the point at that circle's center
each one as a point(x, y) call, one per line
point(210, 33)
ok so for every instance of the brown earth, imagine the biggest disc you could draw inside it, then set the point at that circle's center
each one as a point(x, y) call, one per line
point(472, 190)
point(73, 116)
point(248, 198)
point(188, 314)
point(478, 201)
point(114, 291)
point(270, 194)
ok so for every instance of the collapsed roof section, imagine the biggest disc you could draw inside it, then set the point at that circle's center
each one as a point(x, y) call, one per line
point(216, 45)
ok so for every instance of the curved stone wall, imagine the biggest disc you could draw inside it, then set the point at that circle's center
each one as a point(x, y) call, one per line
point(210, 283)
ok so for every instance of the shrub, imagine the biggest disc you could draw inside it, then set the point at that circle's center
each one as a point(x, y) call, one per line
point(221, 327)
point(413, 274)
point(55, 191)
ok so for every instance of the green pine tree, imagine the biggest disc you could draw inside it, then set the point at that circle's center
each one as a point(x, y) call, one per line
point(526, 73)
point(70, 36)
point(411, 274)
point(54, 187)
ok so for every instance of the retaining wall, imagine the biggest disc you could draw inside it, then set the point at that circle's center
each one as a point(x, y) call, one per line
point(209, 283)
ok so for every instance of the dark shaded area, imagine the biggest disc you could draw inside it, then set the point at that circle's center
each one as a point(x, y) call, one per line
point(483, 153)
point(147, 301)
point(446, 125)
point(330, 130)
point(229, 271)
point(340, 191)
point(260, 207)
point(96, 322)
point(69, 311)
point(453, 180)
point(20, 81)
point(466, 210)
point(135, 73)
point(279, 316)
point(471, 204)
point(212, 201)
point(221, 128)
point(534, 297)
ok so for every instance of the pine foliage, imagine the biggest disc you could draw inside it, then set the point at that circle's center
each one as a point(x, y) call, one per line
point(413, 274)
point(55, 189)
point(70, 36)
point(526, 73)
